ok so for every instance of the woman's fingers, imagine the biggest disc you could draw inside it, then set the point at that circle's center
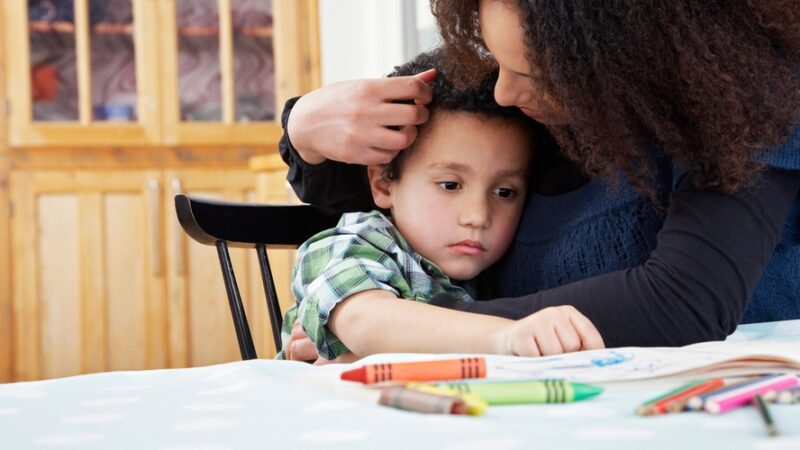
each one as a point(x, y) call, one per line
point(428, 76)
point(413, 88)
point(399, 114)
point(350, 121)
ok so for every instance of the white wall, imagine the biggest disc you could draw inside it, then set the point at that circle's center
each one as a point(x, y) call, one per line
point(367, 38)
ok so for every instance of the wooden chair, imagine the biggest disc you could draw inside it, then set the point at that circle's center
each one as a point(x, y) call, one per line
point(223, 224)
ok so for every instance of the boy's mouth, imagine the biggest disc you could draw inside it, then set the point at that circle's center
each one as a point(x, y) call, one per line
point(468, 247)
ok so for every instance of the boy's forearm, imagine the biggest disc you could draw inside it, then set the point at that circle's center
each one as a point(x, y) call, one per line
point(378, 322)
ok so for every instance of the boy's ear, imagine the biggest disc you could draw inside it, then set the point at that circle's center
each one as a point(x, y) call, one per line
point(379, 187)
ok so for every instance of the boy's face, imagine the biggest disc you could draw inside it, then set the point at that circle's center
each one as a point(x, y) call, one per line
point(460, 193)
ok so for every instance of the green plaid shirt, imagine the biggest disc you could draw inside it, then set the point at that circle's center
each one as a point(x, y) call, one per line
point(364, 251)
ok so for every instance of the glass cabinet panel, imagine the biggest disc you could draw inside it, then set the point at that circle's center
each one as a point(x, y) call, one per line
point(253, 60)
point(199, 75)
point(54, 75)
point(108, 70)
point(204, 37)
point(113, 60)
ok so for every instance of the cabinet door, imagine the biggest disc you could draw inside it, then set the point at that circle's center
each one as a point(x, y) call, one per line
point(88, 272)
point(81, 72)
point(200, 328)
point(229, 65)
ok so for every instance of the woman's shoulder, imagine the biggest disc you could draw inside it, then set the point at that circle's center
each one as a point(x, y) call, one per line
point(784, 156)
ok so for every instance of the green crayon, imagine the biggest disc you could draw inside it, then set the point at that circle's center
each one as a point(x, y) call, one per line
point(520, 392)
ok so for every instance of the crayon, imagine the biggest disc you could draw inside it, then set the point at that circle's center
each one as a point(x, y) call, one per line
point(424, 402)
point(446, 369)
point(475, 405)
point(726, 401)
point(521, 392)
point(644, 408)
point(677, 402)
point(758, 401)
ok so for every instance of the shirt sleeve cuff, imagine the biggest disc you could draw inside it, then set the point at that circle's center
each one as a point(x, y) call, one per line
point(321, 298)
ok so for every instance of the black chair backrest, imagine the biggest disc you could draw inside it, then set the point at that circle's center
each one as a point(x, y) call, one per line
point(224, 224)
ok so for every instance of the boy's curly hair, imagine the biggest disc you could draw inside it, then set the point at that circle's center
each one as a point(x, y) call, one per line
point(712, 82)
point(476, 98)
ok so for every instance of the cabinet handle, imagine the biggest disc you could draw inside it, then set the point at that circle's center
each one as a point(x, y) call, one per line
point(180, 258)
point(155, 224)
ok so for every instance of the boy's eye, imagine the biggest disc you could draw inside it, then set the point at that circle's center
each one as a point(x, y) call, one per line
point(505, 192)
point(449, 185)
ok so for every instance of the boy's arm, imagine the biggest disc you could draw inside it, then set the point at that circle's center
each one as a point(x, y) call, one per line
point(376, 321)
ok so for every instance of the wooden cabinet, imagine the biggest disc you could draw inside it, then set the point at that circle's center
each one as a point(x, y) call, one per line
point(155, 72)
point(87, 272)
point(105, 278)
point(113, 107)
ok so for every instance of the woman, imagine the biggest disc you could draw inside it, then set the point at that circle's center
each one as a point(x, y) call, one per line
point(669, 211)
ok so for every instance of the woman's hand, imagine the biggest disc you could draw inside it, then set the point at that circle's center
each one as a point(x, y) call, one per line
point(551, 331)
point(349, 121)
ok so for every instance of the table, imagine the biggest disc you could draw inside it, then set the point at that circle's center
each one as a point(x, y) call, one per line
point(288, 405)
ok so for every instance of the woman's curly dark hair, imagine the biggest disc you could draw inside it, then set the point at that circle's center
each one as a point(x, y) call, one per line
point(476, 98)
point(712, 82)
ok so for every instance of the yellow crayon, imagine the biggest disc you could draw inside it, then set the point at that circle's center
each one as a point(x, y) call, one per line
point(475, 405)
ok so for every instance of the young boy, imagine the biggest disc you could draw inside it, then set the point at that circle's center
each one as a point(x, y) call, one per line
point(454, 200)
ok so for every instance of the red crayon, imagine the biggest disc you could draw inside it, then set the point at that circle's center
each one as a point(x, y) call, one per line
point(444, 369)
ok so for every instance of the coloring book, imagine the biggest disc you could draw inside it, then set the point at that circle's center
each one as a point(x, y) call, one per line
point(706, 359)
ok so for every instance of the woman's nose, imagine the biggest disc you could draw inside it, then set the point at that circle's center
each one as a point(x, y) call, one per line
point(505, 93)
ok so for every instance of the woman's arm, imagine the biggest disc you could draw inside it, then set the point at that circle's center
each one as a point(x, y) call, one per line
point(709, 257)
point(376, 321)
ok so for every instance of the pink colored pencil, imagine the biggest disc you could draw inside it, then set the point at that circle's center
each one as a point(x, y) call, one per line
point(728, 400)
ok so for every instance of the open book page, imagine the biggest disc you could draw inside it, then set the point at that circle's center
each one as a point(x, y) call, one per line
point(707, 359)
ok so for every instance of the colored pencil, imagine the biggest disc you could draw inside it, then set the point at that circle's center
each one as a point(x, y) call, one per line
point(677, 402)
point(788, 396)
point(644, 408)
point(785, 396)
point(696, 402)
point(761, 405)
point(726, 401)
point(445, 369)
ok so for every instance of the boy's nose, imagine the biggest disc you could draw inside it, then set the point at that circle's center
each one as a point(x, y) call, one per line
point(476, 214)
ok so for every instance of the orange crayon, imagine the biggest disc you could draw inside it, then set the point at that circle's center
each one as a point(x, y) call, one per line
point(445, 369)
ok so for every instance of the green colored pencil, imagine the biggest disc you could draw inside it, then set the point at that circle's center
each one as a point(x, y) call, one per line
point(644, 408)
point(761, 405)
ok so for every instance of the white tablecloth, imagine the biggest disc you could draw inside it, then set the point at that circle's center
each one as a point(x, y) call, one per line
point(284, 405)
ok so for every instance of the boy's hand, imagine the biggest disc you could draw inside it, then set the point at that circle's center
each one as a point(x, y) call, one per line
point(349, 121)
point(300, 347)
point(551, 331)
